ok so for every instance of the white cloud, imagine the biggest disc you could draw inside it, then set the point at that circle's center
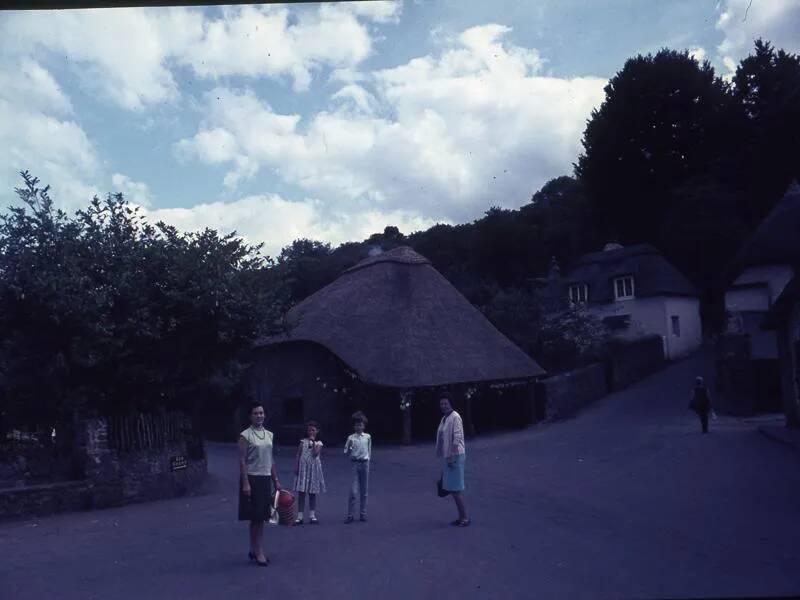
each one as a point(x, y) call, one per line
point(743, 21)
point(127, 55)
point(380, 11)
point(444, 135)
point(698, 53)
point(277, 222)
point(37, 135)
point(135, 192)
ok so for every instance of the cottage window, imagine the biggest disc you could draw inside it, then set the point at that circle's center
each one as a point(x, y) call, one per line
point(578, 293)
point(676, 325)
point(293, 410)
point(617, 322)
point(623, 288)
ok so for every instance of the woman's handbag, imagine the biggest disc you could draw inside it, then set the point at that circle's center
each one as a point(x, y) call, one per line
point(442, 493)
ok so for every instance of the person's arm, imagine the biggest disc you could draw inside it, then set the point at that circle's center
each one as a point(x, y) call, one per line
point(274, 474)
point(347, 445)
point(317, 448)
point(297, 458)
point(244, 482)
point(458, 438)
point(369, 447)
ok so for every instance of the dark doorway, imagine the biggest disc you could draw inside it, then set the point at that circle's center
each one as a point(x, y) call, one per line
point(767, 386)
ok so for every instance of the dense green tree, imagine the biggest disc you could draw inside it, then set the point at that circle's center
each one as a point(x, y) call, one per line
point(105, 310)
point(767, 87)
point(666, 119)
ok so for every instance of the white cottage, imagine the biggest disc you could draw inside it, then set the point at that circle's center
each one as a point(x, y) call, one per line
point(760, 272)
point(637, 293)
point(748, 359)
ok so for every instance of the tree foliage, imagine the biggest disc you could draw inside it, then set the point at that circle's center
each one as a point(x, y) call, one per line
point(105, 310)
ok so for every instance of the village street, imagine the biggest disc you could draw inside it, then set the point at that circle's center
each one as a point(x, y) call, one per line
point(626, 500)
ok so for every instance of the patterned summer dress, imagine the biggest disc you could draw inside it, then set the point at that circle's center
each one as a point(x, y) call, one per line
point(309, 476)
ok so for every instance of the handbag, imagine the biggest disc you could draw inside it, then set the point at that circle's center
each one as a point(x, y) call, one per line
point(440, 491)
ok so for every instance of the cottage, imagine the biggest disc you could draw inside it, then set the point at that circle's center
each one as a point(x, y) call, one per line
point(748, 355)
point(382, 337)
point(637, 293)
point(784, 319)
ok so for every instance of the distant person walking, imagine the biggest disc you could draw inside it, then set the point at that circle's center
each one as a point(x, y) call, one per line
point(701, 402)
point(451, 449)
point(256, 474)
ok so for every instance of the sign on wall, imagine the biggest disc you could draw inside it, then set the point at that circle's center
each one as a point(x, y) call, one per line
point(177, 463)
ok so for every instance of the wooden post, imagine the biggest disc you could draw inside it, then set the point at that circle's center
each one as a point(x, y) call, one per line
point(406, 420)
point(469, 424)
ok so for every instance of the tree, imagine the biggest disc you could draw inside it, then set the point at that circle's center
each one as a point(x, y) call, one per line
point(665, 120)
point(767, 87)
point(107, 311)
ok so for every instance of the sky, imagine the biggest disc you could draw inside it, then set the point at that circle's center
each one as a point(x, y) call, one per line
point(332, 120)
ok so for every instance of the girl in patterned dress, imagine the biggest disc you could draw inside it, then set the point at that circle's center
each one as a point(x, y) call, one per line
point(308, 473)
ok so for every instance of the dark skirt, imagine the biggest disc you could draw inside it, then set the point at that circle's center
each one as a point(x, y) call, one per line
point(257, 506)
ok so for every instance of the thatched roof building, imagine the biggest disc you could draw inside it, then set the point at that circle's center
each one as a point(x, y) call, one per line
point(393, 324)
point(397, 322)
point(654, 275)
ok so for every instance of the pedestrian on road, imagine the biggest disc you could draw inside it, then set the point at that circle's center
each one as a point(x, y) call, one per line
point(256, 472)
point(359, 449)
point(701, 402)
point(451, 449)
point(308, 473)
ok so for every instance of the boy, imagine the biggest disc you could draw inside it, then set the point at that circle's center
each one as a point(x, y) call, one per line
point(359, 449)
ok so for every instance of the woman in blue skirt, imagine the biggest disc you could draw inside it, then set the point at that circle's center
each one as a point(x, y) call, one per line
point(452, 452)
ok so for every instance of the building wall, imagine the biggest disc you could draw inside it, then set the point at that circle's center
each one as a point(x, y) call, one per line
point(691, 328)
point(647, 316)
point(789, 337)
point(746, 308)
point(775, 276)
point(305, 374)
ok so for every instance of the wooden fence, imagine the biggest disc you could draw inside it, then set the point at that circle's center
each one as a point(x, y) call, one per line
point(132, 433)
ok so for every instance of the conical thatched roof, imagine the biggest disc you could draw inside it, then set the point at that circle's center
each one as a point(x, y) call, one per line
point(775, 240)
point(398, 322)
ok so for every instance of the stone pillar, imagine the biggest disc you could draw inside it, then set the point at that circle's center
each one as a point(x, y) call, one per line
point(101, 464)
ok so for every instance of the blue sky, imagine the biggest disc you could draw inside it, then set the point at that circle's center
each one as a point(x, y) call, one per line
point(331, 121)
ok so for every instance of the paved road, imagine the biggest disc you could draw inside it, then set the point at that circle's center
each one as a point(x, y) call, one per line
point(627, 500)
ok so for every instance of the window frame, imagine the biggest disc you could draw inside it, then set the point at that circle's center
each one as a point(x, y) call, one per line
point(675, 322)
point(582, 293)
point(623, 279)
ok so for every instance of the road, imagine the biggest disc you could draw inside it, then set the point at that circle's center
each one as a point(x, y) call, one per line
point(627, 500)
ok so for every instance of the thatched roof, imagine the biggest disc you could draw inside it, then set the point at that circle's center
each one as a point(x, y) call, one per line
point(397, 322)
point(783, 305)
point(775, 241)
point(653, 274)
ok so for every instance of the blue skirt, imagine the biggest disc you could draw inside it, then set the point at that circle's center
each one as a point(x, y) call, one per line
point(453, 475)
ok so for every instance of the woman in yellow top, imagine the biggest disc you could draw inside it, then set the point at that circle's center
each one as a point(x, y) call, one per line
point(256, 473)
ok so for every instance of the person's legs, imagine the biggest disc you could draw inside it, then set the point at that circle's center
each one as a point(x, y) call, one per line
point(257, 539)
point(351, 499)
point(312, 502)
point(301, 503)
point(462, 509)
point(704, 421)
point(363, 483)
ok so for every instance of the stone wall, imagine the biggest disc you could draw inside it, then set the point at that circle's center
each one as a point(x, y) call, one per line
point(111, 478)
point(565, 394)
point(630, 361)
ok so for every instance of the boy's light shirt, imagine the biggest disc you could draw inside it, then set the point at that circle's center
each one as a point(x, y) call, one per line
point(359, 446)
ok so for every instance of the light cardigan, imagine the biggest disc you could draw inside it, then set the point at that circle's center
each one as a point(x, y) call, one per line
point(450, 436)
